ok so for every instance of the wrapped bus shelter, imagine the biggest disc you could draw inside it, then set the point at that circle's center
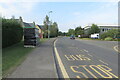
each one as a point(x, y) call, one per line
point(31, 38)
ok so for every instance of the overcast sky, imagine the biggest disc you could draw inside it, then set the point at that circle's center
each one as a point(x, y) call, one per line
point(67, 14)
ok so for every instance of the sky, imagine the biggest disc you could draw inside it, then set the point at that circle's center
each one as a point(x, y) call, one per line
point(67, 14)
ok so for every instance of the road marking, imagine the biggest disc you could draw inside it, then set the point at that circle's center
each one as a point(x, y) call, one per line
point(84, 66)
point(107, 70)
point(72, 68)
point(77, 76)
point(70, 58)
point(102, 70)
point(90, 55)
point(115, 48)
point(76, 57)
point(79, 57)
point(64, 72)
point(83, 57)
point(85, 50)
point(81, 50)
point(91, 66)
point(103, 62)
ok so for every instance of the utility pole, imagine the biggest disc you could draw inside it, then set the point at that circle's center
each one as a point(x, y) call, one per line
point(49, 23)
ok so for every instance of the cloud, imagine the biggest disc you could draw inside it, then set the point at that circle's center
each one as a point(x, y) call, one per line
point(106, 14)
point(16, 8)
point(103, 18)
point(98, 17)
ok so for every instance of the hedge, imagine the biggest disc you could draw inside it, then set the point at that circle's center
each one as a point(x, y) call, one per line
point(114, 33)
point(108, 39)
point(12, 32)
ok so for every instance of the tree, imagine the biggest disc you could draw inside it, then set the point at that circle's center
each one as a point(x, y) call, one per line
point(114, 33)
point(79, 31)
point(45, 22)
point(94, 29)
point(71, 32)
point(54, 30)
point(60, 33)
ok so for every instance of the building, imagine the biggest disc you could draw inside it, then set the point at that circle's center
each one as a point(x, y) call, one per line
point(41, 32)
point(103, 28)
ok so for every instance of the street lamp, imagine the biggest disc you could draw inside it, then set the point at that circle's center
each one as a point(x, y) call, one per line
point(49, 23)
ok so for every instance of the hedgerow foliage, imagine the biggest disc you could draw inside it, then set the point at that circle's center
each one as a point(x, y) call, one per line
point(12, 32)
point(114, 33)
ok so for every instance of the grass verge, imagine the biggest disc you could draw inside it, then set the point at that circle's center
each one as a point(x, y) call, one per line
point(13, 56)
point(44, 39)
point(89, 39)
point(99, 39)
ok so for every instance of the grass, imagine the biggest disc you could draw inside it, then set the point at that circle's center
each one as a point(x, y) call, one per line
point(98, 39)
point(13, 56)
point(86, 38)
point(43, 40)
point(89, 39)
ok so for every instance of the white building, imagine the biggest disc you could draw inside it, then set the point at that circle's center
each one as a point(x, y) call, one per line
point(103, 28)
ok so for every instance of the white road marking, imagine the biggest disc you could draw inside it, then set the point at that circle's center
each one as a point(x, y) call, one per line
point(103, 62)
point(90, 55)
point(115, 48)
point(85, 50)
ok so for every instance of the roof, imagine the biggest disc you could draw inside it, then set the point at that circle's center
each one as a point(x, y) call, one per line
point(103, 25)
point(107, 26)
point(40, 26)
point(31, 24)
point(28, 25)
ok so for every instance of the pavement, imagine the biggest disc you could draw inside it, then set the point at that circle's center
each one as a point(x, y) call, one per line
point(86, 58)
point(39, 63)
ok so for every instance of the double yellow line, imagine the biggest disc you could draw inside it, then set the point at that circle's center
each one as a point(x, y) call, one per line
point(63, 70)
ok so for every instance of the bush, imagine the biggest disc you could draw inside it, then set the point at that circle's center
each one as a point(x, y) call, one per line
point(108, 39)
point(104, 35)
point(12, 32)
point(114, 33)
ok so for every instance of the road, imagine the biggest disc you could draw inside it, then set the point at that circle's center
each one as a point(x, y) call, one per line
point(86, 58)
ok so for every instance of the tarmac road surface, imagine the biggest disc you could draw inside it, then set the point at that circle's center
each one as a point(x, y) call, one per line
point(86, 59)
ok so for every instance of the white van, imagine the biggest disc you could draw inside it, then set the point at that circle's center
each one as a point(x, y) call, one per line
point(95, 36)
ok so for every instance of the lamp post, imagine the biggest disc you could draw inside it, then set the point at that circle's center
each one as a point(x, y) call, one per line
point(49, 23)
